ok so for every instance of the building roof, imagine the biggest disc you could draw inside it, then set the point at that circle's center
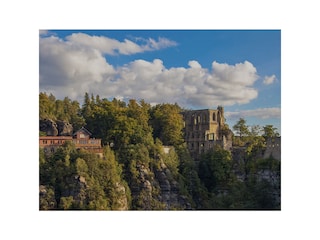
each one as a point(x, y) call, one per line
point(55, 137)
point(83, 130)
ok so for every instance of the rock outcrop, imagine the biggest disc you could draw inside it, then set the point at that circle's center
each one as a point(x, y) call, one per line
point(76, 189)
point(122, 201)
point(56, 128)
point(158, 187)
point(64, 128)
point(46, 198)
point(169, 194)
point(49, 127)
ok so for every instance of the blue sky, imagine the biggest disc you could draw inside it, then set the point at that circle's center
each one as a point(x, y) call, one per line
point(238, 69)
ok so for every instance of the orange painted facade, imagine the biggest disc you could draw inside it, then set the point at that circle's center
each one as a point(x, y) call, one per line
point(81, 139)
point(49, 141)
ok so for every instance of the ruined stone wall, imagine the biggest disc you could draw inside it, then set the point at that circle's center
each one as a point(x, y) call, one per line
point(203, 130)
point(273, 148)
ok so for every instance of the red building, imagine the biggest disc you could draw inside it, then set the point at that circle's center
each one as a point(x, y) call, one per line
point(81, 139)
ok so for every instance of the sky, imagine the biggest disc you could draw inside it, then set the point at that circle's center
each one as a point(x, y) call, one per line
point(198, 69)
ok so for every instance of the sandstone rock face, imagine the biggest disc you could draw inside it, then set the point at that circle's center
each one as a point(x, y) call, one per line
point(122, 201)
point(76, 187)
point(169, 188)
point(64, 128)
point(49, 127)
point(274, 179)
point(273, 148)
point(158, 186)
point(42, 190)
point(58, 128)
point(46, 198)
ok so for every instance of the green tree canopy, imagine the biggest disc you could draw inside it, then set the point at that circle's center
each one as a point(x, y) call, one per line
point(215, 168)
point(167, 123)
point(64, 110)
point(241, 128)
point(270, 131)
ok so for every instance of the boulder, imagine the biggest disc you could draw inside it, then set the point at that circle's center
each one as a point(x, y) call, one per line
point(64, 128)
point(56, 128)
point(49, 127)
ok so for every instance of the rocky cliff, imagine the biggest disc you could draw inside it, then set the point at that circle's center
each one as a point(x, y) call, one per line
point(157, 189)
point(55, 128)
point(265, 171)
point(77, 190)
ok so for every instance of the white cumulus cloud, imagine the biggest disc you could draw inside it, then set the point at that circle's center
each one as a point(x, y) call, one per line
point(194, 64)
point(261, 113)
point(112, 46)
point(70, 68)
point(152, 44)
point(269, 79)
point(77, 65)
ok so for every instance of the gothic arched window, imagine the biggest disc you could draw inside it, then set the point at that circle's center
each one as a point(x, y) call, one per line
point(204, 118)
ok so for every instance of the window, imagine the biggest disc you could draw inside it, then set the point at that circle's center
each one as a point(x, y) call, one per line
point(211, 136)
point(81, 135)
point(213, 116)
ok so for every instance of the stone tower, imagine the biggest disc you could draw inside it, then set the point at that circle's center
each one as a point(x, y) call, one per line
point(204, 130)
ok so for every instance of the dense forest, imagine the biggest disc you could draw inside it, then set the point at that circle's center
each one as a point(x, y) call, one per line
point(137, 174)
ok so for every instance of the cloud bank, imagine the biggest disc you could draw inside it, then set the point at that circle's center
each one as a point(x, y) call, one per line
point(77, 65)
point(261, 113)
point(111, 46)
